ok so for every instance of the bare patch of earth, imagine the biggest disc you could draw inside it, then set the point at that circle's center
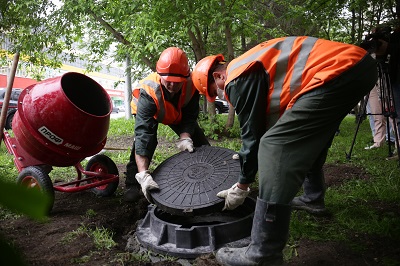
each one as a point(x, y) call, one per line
point(48, 243)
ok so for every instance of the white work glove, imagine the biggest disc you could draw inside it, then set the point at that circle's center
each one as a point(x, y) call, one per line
point(185, 144)
point(233, 197)
point(147, 183)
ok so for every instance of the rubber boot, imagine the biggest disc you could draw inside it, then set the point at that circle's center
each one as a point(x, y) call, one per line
point(312, 200)
point(313, 207)
point(132, 193)
point(132, 187)
point(268, 237)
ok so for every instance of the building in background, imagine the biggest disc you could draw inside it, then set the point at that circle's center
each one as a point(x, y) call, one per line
point(110, 78)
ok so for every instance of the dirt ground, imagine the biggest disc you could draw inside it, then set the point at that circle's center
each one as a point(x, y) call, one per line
point(45, 243)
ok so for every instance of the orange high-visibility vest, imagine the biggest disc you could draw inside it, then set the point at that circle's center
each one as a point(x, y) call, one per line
point(295, 65)
point(166, 113)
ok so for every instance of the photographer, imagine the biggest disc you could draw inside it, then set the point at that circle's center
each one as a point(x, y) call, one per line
point(376, 44)
point(385, 44)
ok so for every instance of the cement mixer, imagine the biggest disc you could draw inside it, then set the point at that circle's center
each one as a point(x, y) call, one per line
point(60, 122)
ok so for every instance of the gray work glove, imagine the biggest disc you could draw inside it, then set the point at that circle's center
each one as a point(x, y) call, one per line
point(234, 197)
point(185, 144)
point(147, 183)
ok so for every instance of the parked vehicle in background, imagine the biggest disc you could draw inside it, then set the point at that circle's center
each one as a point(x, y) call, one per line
point(12, 105)
point(221, 106)
point(115, 109)
point(121, 108)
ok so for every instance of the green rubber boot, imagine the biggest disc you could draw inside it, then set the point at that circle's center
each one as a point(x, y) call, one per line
point(268, 237)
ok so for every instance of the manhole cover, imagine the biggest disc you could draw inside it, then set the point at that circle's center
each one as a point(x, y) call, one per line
point(189, 182)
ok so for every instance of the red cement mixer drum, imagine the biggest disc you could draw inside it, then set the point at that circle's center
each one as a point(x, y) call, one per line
point(62, 120)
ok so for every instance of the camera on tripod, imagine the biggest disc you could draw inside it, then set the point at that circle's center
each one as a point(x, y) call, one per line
point(373, 41)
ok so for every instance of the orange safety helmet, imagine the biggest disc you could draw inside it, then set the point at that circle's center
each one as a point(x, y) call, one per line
point(173, 65)
point(200, 74)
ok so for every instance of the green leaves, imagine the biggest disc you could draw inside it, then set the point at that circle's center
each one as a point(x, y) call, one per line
point(45, 33)
point(30, 202)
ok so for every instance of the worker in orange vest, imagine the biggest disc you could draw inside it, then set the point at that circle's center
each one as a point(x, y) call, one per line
point(168, 97)
point(290, 95)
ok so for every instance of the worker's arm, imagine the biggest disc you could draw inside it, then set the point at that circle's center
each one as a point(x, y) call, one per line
point(185, 129)
point(190, 113)
point(145, 142)
point(145, 131)
point(248, 94)
point(142, 162)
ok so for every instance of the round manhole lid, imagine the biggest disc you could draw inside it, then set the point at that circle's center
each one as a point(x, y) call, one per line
point(189, 182)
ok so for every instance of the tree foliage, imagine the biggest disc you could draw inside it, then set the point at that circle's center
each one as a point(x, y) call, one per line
point(91, 30)
point(29, 27)
point(94, 30)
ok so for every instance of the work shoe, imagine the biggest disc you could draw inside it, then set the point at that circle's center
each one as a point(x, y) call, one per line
point(132, 194)
point(375, 146)
point(394, 157)
point(132, 187)
point(317, 208)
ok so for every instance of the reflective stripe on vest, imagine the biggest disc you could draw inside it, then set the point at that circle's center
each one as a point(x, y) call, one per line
point(295, 65)
point(152, 86)
point(157, 90)
point(285, 46)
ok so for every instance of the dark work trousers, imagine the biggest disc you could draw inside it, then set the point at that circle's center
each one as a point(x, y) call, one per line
point(314, 183)
point(198, 138)
point(299, 141)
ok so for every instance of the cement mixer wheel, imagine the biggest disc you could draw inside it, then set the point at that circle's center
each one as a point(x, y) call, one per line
point(10, 116)
point(102, 163)
point(34, 177)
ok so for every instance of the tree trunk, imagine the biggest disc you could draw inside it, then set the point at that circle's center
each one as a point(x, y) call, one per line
point(228, 35)
point(128, 88)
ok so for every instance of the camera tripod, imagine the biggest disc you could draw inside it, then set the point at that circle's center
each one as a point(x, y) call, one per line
point(387, 107)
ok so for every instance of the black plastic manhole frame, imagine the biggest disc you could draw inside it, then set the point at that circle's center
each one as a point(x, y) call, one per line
point(189, 182)
point(211, 232)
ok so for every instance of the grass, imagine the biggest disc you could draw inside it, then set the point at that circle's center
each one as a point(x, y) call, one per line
point(102, 237)
point(354, 202)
